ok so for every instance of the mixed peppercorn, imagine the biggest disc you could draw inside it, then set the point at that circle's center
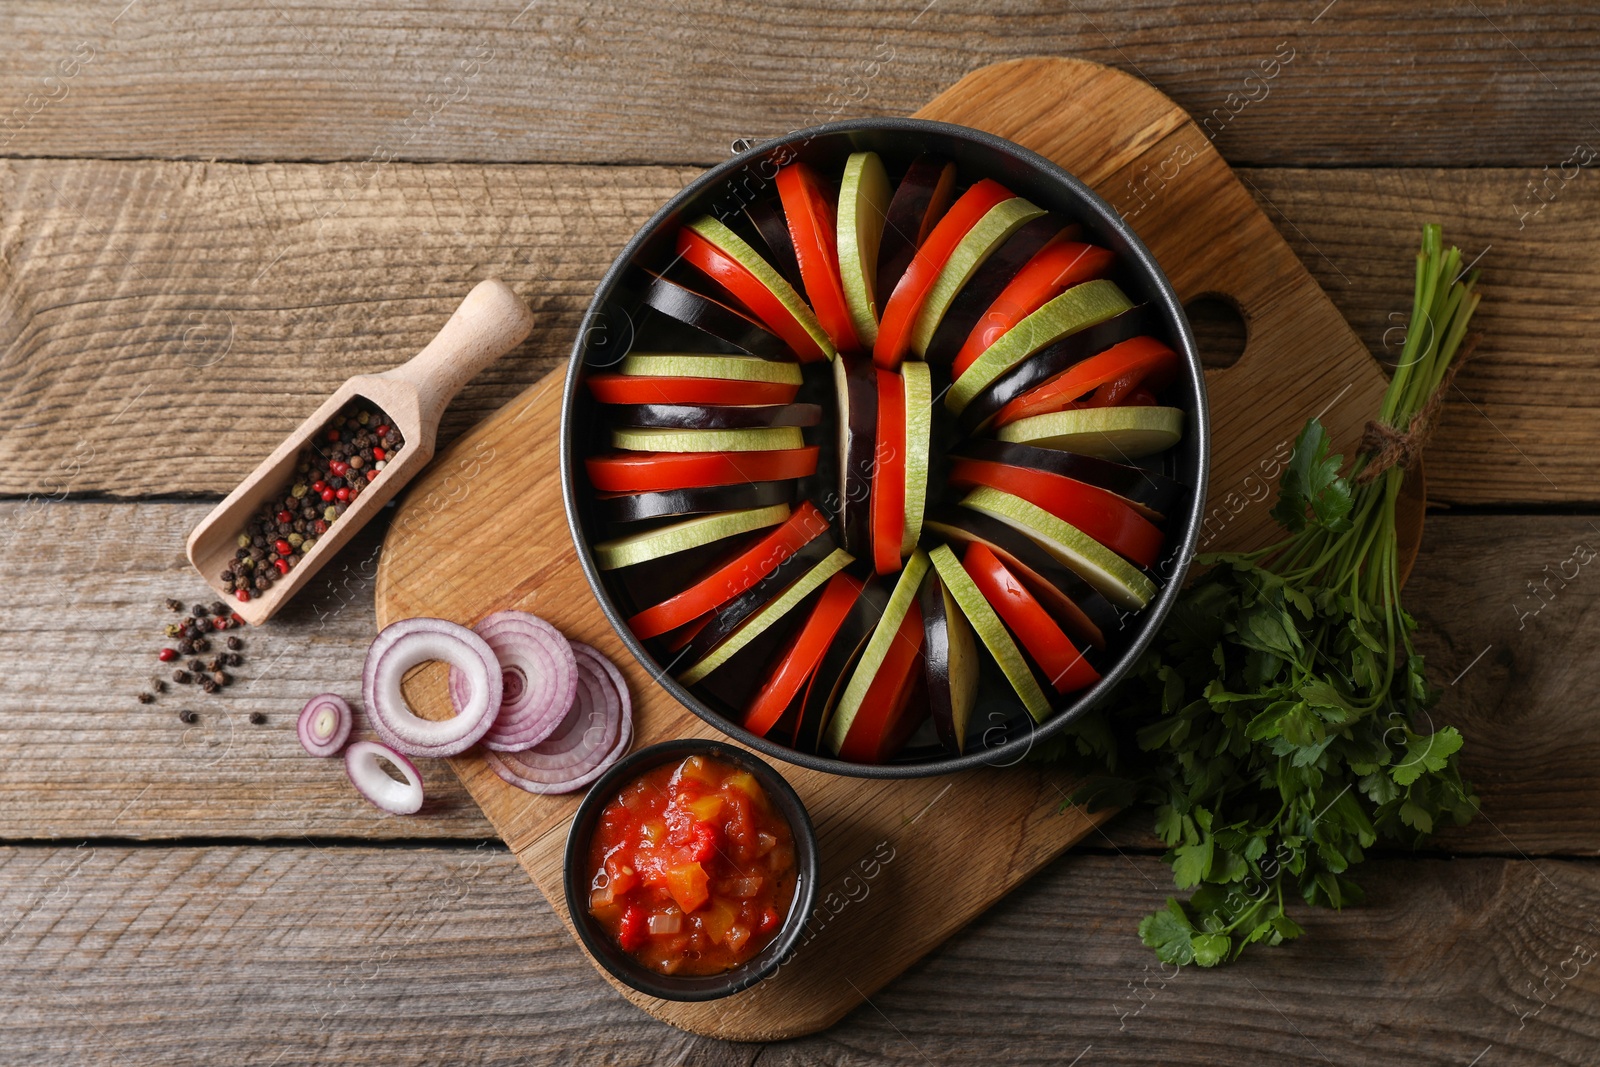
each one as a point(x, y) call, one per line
point(206, 665)
point(343, 458)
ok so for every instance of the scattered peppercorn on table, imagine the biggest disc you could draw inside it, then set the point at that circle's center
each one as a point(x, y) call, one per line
point(179, 883)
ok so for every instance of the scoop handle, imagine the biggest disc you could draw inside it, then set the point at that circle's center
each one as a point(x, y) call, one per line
point(490, 322)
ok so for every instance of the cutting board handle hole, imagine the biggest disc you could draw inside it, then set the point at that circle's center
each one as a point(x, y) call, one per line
point(1219, 329)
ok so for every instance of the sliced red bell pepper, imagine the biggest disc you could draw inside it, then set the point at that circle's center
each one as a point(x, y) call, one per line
point(887, 719)
point(733, 577)
point(1052, 270)
point(805, 651)
point(647, 472)
point(889, 475)
point(1112, 376)
point(646, 389)
point(814, 233)
point(750, 291)
point(1063, 664)
point(900, 312)
point(1103, 515)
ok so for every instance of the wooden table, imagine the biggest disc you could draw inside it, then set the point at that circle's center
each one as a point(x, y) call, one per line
point(211, 214)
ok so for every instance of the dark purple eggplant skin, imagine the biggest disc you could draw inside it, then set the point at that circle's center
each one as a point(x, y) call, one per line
point(711, 316)
point(832, 673)
point(858, 426)
point(671, 503)
point(737, 611)
point(714, 417)
point(1086, 615)
point(936, 661)
point(982, 288)
point(768, 219)
point(1154, 493)
point(913, 211)
point(1053, 359)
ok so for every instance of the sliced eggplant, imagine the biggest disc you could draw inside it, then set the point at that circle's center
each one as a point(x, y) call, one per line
point(767, 218)
point(950, 662)
point(856, 385)
point(730, 616)
point(919, 202)
point(822, 692)
point(714, 417)
point(982, 288)
point(683, 535)
point(991, 631)
point(1153, 495)
point(775, 610)
point(714, 318)
point(1082, 612)
point(671, 503)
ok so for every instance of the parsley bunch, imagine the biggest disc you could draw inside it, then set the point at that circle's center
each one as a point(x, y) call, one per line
point(1280, 722)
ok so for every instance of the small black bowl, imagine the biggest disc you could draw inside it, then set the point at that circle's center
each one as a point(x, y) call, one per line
point(576, 875)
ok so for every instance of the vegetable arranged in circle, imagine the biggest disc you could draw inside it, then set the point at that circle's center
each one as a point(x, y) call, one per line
point(973, 498)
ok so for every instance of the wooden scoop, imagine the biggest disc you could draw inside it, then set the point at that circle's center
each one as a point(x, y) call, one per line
point(490, 322)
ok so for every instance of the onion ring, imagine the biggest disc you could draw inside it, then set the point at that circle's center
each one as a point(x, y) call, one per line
point(407, 643)
point(594, 735)
point(374, 783)
point(324, 724)
point(539, 679)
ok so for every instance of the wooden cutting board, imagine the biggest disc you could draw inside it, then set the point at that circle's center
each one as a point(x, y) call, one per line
point(905, 863)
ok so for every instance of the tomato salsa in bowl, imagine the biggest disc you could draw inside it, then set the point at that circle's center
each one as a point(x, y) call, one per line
point(690, 869)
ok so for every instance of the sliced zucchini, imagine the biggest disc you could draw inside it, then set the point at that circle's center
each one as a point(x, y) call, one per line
point(900, 601)
point(863, 206)
point(1117, 433)
point(991, 631)
point(748, 258)
point(1108, 573)
point(673, 439)
point(696, 365)
point(919, 434)
point(979, 243)
point(682, 536)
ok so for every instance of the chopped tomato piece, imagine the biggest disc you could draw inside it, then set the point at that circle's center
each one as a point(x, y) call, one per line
point(1052, 270)
point(1113, 376)
point(634, 930)
point(703, 845)
point(900, 312)
point(734, 577)
point(688, 885)
point(649, 389)
point(645, 472)
point(813, 231)
point(1062, 663)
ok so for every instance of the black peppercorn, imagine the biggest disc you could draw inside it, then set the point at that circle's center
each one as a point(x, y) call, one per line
point(202, 645)
point(235, 644)
point(221, 677)
point(208, 685)
point(182, 677)
point(188, 716)
point(198, 611)
point(257, 718)
point(196, 666)
point(147, 698)
point(214, 663)
point(174, 605)
point(218, 608)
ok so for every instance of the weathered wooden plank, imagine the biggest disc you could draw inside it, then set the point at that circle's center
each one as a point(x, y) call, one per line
point(85, 583)
point(163, 325)
point(293, 955)
point(1283, 82)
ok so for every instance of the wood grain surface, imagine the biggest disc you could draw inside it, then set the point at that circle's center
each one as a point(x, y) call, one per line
point(425, 956)
point(165, 317)
point(164, 325)
point(1370, 81)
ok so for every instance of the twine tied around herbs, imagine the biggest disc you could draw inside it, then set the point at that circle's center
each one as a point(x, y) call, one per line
point(1388, 446)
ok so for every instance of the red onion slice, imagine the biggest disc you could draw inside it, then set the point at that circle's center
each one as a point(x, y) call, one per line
point(374, 783)
point(594, 735)
point(324, 724)
point(539, 679)
point(407, 643)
